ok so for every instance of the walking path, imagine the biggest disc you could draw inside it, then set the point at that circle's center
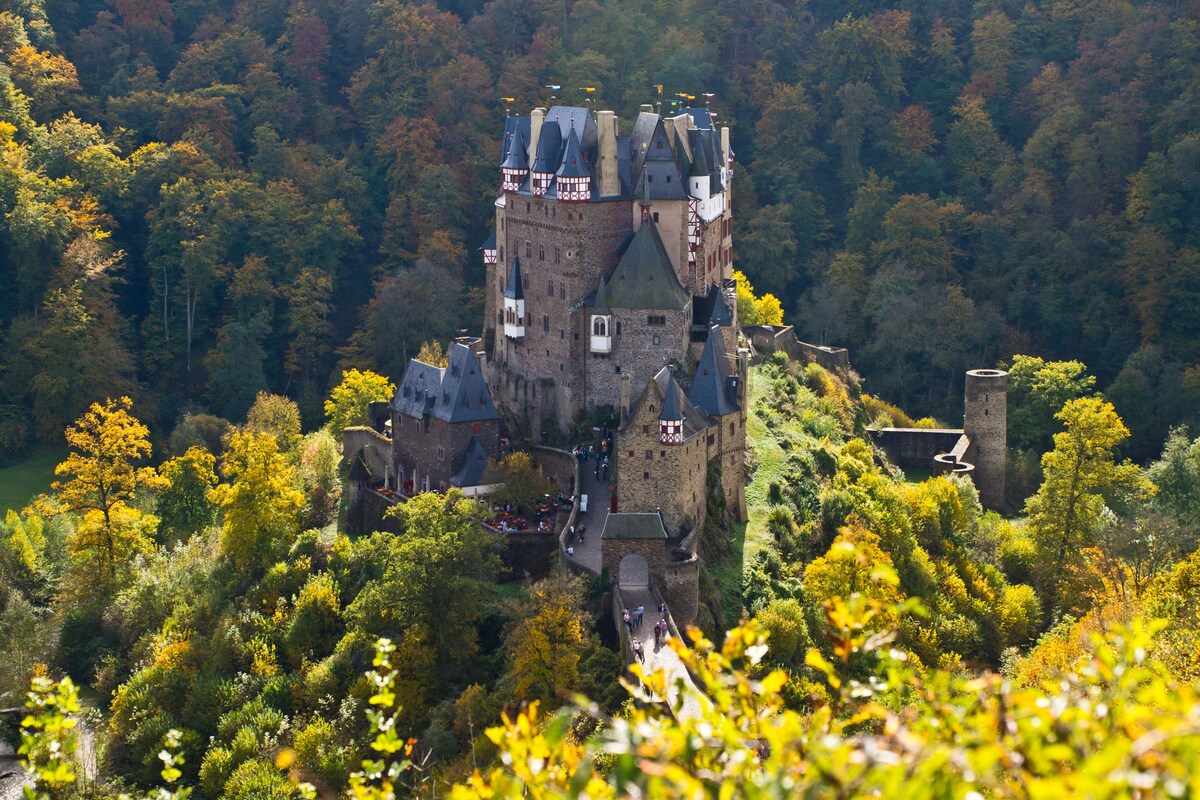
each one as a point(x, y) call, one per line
point(659, 657)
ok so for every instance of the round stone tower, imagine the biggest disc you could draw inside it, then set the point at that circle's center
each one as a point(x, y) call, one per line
point(985, 422)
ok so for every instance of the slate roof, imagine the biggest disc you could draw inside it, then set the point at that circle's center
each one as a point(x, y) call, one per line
point(644, 277)
point(639, 141)
point(549, 149)
point(456, 393)
point(573, 163)
point(711, 388)
point(513, 126)
point(721, 313)
point(701, 117)
point(515, 158)
point(515, 288)
point(633, 526)
point(670, 406)
point(359, 471)
point(490, 244)
point(470, 473)
point(600, 303)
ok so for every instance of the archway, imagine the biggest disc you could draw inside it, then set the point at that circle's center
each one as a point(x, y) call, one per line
point(633, 570)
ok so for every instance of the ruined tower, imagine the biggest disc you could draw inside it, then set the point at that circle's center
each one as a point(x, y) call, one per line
point(985, 420)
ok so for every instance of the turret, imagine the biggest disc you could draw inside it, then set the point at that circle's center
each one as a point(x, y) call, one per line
point(670, 420)
point(573, 180)
point(601, 340)
point(985, 421)
point(489, 250)
point(514, 303)
point(515, 167)
point(545, 162)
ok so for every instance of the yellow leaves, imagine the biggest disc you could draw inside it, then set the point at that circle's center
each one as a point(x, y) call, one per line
point(752, 310)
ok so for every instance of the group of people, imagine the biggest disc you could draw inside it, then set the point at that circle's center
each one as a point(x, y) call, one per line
point(597, 453)
point(633, 621)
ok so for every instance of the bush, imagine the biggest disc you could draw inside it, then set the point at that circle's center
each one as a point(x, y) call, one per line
point(199, 430)
point(316, 623)
point(318, 749)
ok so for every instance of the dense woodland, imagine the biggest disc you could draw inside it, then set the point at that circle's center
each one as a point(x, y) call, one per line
point(205, 199)
point(216, 214)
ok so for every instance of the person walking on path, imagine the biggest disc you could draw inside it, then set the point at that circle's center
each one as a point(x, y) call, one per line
point(657, 634)
point(641, 612)
point(662, 609)
point(628, 622)
point(637, 651)
point(605, 466)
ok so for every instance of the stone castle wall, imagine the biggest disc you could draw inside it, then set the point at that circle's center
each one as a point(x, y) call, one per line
point(658, 477)
point(681, 587)
point(985, 421)
point(782, 338)
point(417, 442)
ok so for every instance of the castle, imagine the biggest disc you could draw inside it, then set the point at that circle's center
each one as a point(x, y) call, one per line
point(610, 286)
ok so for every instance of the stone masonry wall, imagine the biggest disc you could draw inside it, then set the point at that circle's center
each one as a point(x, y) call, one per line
point(416, 443)
point(680, 583)
point(985, 421)
point(653, 550)
point(636, 353)
point(653, 476)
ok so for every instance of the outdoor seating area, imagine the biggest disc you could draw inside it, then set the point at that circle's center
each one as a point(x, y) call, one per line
point(542, 516)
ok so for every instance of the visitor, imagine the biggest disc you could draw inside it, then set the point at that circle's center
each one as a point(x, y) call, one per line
point(606, 468)
point(625, 618)
point(570, 552)
point(658, 633)
point(637, 651)
point(641, 612)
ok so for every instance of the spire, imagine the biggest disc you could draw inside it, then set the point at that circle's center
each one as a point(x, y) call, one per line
point(670, 407)
point(700, 168)
point(515, 158)
point(515, 290)
point(645, 201)
point(600, 306)
point(573, 164)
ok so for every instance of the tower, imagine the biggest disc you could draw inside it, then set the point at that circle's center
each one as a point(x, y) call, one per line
point(985, 422)
point(670, 419)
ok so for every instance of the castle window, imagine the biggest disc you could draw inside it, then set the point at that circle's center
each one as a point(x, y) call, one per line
point(645, 429)
point(562, 334)
point(600, 327)
point(657, 340)
point(550, 288)
point(557, 255)
point(441, 454)
point(554, 213)
point(562, 291)
point(658, 145)
point(475, 428)
point(631, 454)
point(712, 439)
point(618, 369)
point(656, 319)
point(668, 179)
point(618, 327)
point(662, 454)
point(527, 208)
point(528, 317)
point(649, 455)
point(655, 215)
point(645, 476)
point(528, 249)
point(731, 427)
point(545, 324)
point(541, 252)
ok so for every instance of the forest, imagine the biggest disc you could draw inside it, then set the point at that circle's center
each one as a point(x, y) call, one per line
point(202, 200)
point(227, 224)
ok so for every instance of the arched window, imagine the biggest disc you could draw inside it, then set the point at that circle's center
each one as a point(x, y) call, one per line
point(599, 327)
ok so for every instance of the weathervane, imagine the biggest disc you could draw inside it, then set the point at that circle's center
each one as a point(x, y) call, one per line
point(553, 87)
point(508, 101)
point(588, 91)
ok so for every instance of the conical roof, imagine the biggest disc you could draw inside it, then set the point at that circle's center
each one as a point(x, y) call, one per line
point(720, 311)
point(515, 290)
point(600, 305)
point(709, 385)
point(549, 148)
point(573, 164)
point(670, 406)
point(515, 158)
point(700, 168)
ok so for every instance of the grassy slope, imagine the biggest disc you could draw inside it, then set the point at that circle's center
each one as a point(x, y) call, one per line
point(750, 538)
point(21, 482)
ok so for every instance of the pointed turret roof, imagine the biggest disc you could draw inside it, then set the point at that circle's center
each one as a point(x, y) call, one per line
point(721, 314)
point(490, 244)
point(549, 148)
point(515, 289)
point(644, 277)
point(573, 163)
point(710, 385)
point(670, 407)
point(475, 462)
point(515, 158)
point(600, 304)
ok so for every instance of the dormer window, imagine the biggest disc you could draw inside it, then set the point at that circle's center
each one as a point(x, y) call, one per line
point(601, 340)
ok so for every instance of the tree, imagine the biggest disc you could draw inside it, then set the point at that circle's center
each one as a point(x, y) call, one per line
point(107, 442)
point(319, 460)
point(259, 499)
point(349, 401)
point(1081, 479)
point(753, 310)
point(524, 482)
point(547, 640)
point(434, 583)
point(1037, 390)
point(278, 416)
point(183, 505)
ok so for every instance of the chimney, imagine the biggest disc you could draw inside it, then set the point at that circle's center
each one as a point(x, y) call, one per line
point(725, 146)
point(624, 397)
point(607, 178)
point(536, 118)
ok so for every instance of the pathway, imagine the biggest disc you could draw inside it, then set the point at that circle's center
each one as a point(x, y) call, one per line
point(661, 657)
point(587, 553)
